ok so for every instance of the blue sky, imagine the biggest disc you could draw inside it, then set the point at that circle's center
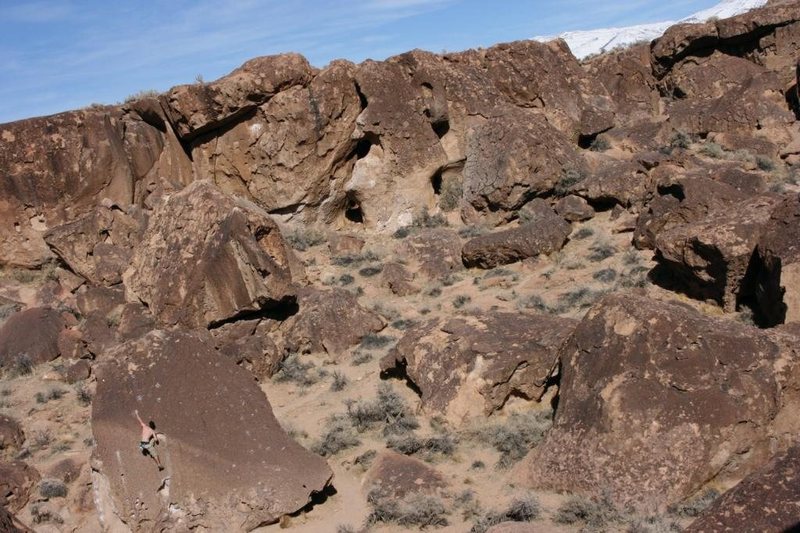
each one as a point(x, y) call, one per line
point(65, 54)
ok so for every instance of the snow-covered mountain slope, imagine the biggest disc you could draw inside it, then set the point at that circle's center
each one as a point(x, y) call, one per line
point(586, 43)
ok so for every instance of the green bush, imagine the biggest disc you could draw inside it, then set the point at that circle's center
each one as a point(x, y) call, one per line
point(461, 300)
point(370, 271)
point(713, 150)
point(451, 193)
point(607, 275)
point(765, 163)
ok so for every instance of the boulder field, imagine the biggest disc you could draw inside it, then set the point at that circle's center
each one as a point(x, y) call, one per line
point(489, 290)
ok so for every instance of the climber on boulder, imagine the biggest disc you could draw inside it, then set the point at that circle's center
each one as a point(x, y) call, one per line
point(149, 440)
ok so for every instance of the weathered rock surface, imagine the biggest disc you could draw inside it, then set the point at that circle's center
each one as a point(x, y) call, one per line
point(754, 28)
point(708, 77)
point(396, 475)
point(207, 257)
point(766, 500)
point(11, 436)
point(543, 233)
point(249, 343)
point(292, 152)
point(574, 209)
point(755, 103)
point(99, 245)
point(711, 257)
point(513, 158)
point(17, 341)
point(778, 265)
point(196, 399)
point(67, 161)
point(656, 400)
point(681, 202)
point(436, 252)
point(470, 366)
point(629, 80)
point(17, 482)
point(611, 181)
point(398, 279)
point(194, 109)
point(328, 321)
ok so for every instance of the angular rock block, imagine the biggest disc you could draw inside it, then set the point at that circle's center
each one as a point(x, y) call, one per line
point(229, 464)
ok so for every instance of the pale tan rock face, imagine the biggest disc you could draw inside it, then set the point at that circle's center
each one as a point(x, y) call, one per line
point(658, 399)
point(207, 257)
point(226, 465)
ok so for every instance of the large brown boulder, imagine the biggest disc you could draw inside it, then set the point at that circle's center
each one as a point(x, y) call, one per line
point(627, 76)
point(700, 78)
point(611, 181)
point(756, 102)
point(32, 334)
point(547, 77)
point(514, 157)
point(197, 108)
point(228, 462)
point(399, 151)
point(710, 258)
point(471, 365)
point(207, 257)
point(657, 399)
point(292, 151)
point(17, 482)
point(755, 30)
point(778, 265)
point(766, 500)
point(543, 233)
point(682, 201)
point(328, 321)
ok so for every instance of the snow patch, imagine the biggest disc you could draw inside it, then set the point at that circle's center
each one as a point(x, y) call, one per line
point(586, 43)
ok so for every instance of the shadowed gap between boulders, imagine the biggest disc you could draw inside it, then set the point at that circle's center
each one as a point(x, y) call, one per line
point(279, 312)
